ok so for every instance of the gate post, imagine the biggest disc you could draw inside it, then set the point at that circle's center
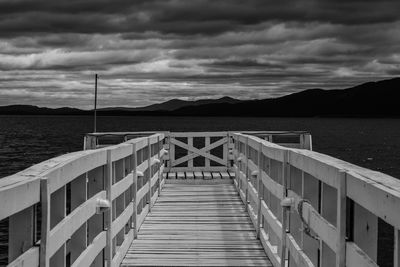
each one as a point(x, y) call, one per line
point(108, 214)
point(285, 210)
point(341, 219)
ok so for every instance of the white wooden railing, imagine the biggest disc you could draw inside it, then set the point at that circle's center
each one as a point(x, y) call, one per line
point(339, 202)
point(92, 204)
point(200, 151)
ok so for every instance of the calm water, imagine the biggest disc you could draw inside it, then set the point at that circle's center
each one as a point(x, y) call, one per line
point(371, 143)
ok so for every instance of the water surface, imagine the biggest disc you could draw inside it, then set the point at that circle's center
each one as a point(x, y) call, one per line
point(371, 143)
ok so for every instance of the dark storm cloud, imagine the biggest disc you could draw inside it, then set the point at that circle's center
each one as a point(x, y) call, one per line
point(183, 17)
point(154, 50)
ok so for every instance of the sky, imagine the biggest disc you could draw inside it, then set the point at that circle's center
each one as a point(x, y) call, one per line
point(149, 51)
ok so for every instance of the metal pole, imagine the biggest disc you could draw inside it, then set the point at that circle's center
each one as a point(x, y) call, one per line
point(95, 102)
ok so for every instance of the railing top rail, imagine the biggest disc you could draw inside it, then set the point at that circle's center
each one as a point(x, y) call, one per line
point(231, 131)
point(326, 169)
point(378, 177)
point(124, 133)
point(59, 170)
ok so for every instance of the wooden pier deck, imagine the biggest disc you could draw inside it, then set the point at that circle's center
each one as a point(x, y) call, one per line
point(192, 225)
point(199, 198)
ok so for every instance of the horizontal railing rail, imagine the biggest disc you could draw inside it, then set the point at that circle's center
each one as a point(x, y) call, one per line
point(82, 208)
point(310, 209)
point(294, 139)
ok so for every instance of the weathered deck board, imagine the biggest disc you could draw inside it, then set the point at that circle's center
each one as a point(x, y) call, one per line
point(197, 225)
point(215, 175)
point(198, 175)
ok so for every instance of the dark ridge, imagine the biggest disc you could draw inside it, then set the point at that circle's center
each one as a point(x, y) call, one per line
point(372, 99)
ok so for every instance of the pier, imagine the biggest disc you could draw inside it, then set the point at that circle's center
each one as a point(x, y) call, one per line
point(198, 198)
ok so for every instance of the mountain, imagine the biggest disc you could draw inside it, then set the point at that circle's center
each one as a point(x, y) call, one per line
point(372, 99)
point(35, 110)
point(155, 109)
point(175, 104)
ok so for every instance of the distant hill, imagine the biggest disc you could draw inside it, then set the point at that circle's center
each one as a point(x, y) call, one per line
point(35, 110)
point(372, 99)
point(175, 104)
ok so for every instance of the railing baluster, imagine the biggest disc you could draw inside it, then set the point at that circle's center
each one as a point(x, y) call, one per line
point(247, 176)
point(225, 150)
point(108, 214)
point(134, 190)
point(45, 227)
point(149, 172)
point(171, 151)
point(396, 260)
point(235, 161)
point(159, 147)
point(285, 210)
point(259, 185)
point(341, 220)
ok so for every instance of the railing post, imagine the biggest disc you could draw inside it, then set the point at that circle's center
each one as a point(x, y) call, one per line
point(45, 225)
point(259, 193)
point(166, 146)
point(171, 152)
point(134, 191)
point(226, 150)
point(307, 141)
point(396, 259)
point(285, 210)
point(85, 142)
point(150, 173)
point(89, 142)
point(341, 219)
point(108, 213)
point(247, 173)
point(159, 165)
point(134, 215)
point(235, 161)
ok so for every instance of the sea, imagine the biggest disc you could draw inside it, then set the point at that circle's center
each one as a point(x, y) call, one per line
point(370, 143)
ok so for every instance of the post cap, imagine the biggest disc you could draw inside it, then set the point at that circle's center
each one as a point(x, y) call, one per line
point(287, 202)
point(254, 173)
point(102, 205)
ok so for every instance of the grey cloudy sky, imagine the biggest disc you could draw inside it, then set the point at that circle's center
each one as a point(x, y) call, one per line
point(148, 51)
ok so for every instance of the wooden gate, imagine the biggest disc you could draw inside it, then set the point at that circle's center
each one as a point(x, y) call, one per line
point(198, 151)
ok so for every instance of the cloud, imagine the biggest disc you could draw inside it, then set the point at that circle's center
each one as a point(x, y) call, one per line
point(60, 59)
point(150, 51)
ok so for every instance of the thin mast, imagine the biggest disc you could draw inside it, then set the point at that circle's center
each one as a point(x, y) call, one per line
point(95, 101)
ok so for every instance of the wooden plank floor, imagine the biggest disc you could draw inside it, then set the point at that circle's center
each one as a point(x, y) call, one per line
point(199, 175)
point(197, 225)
